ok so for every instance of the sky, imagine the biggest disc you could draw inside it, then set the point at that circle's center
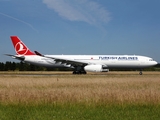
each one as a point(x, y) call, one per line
point(83, 27)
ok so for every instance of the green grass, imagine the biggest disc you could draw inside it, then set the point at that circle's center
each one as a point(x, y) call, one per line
point(79, 112)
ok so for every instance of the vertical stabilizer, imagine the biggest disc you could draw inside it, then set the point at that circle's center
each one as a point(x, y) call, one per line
point(20, 47)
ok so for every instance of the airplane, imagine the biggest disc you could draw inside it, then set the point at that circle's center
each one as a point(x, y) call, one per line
point(81, 64)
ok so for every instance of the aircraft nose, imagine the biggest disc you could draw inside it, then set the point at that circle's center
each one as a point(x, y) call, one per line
point(155, 63)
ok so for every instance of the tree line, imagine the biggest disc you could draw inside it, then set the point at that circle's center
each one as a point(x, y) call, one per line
point(21, 66)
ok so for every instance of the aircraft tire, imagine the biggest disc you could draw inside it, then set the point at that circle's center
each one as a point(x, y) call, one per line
point(140, 73)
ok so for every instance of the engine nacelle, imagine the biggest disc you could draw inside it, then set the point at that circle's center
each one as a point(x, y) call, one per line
point(96, 68)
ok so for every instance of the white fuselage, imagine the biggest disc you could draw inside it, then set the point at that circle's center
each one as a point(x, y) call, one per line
point(111, 61)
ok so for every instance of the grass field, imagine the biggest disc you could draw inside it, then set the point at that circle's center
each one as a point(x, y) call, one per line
point(58, 95)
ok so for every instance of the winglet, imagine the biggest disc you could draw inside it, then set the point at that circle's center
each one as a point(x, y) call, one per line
point(20, 47)
point(37, 53)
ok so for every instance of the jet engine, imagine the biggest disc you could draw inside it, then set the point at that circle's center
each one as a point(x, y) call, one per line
point(96, 68)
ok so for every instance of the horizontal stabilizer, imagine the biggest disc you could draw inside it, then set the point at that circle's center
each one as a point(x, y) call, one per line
point(22, 58)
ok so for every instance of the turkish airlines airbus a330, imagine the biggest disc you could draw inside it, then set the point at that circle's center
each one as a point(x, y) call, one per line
point(80, 63)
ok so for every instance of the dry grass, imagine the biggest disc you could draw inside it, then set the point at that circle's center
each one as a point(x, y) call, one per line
point(114, 87)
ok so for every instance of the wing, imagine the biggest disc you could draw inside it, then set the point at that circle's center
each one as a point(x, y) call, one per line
point(68, 61)
point(64, 61)
point(16, 57)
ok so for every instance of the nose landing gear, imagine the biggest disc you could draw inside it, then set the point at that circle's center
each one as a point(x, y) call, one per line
point(140, 73)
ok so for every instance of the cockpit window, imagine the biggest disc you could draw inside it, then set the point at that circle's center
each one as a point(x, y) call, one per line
point(150, 59)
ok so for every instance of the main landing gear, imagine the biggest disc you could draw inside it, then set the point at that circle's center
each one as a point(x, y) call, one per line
point(79, 70)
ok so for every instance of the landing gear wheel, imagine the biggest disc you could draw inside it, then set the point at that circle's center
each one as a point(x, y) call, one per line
point(76, 72)
point(83, 72)
point(79, 72)
point(140, 73)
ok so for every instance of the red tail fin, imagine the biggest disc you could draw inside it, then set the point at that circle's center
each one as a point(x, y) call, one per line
point(20, 47)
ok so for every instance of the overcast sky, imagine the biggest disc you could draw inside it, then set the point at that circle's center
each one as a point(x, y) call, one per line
point(82, 26)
